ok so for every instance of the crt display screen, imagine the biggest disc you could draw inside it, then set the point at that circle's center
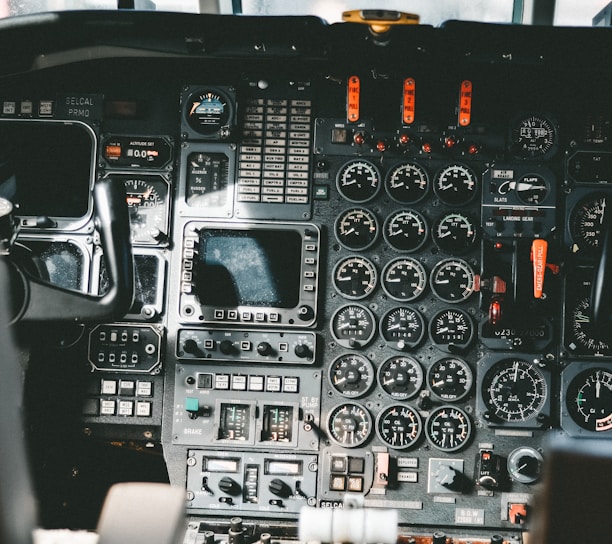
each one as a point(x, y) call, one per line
point(249, 268)
point(46, 168)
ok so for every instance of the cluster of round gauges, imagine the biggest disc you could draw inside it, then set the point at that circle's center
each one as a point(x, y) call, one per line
point(403, 328)
point(399, 426)
point(533, 137)
point(405, 279)
point(514, 391)
point(360, 180)
point(448, 379)
point(406, 230)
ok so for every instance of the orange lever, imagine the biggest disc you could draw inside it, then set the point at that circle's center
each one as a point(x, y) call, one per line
point(539, 249)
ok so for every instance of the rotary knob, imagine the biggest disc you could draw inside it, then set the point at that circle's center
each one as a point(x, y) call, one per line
point(280, 488)
point(229, 486)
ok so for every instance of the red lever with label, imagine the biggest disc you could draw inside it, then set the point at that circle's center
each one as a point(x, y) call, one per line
point(539, 250)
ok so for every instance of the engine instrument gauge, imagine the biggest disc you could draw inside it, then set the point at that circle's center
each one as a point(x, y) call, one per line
point(586, 223)
point(352, 375)
point(448, 428)
point(277, 423)
point(589, 399)
point(234, 422)
point(399, 426)
point(456, 185)
point(356, 229)
point(451, 330)
point(405, 230)
point(355, 277)
point(452, 280)
point(449, 379)
point(353, 326)
point(147, 200)
point(533, 136)
point(349, 425)
point(401, 377)
point(404, 279)
point(514, 391)
point(454, 233)
point(402, 328)
point(207, 180)
point(209, 112)
point(358, 180)
point(407, 183)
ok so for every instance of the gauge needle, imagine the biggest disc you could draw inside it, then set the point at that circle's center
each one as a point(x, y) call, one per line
point(603, 211)
point(597, 388)
point(515, 378)
point(350, 231)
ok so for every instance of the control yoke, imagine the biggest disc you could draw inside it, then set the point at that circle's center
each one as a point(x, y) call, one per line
point(34, 300)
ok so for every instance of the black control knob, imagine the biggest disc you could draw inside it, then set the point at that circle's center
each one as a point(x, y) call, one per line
point(439, 537)
point(280, 488)
point(264, 348)
point(497, 539)
point(226, 347)
point(229, 486)
point(235, 535)
point(451, 478)
point(209, 537)
point(191, 346)
point(305, 313)
point(302, 351)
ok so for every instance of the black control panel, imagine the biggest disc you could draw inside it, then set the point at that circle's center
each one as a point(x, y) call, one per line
point(377, 271)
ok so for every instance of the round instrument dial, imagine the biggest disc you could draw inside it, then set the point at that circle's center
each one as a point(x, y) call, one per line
point(532, 189)
point(407, 183)
point(208, 111)
point(533, 136)
point(448, 428)
point(353, 326)
point(454, 233)
point(589, 399)
point(452, 280)
point(402, 328)
point(405, 230)
point(456, 185)
point(404, 279)
point(349, 425)
point(587, 223)
point(584, 338)
point(355, 277)
point(451, 330)
point(352, 375)
point(401, 377)
point(514, 390)
point(525, 465)
point(449, 379)
point(358, 181)
point(147, 199)
point(356, 229)
point(399, 426)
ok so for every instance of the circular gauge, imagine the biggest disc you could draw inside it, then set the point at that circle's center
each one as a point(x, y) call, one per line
point(451, 330)
point(532, 189)
point(356, 229)
point(355, 277)
point(452, 280)
point(399, 426)
point(407, 183)
point(358, 180)
point(349, 425)
point(587, 223)
point(402, 328)
point(351, 375)
point(208, 111)
point(449, 379)
point(589, 399)
point(514, 390)
point(400, 377)
point(353, 326)
point(454, 233)
point(456, 185)
point(525, 465)
point(584, 332)
point(404, 279)
point(146, 199)
point(448, 428)
point(405, 230)
point(533, 137)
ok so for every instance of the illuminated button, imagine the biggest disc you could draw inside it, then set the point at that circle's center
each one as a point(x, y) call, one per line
point(256, 383)
point(339, 464)
point(283, 346)
point(222, 381)
point(108, 387)
point(188, 253)
point(127, 388)
point(144, 389)
point(239, 383)
point(192, 405)
point(187, 276)
point(186, 288)
point(309, 287)
point(189, 243)
point(357, 465)
point(310, 247)
point(187, 265)
point(273, 384)
point(143, 409)
point(245, 345)
point(209, 344)
point(355, 483)
point(247, 316)
point(112, 151)
point(260, 316)
point(232, 314)
point(219, 314)
point(107, 407)
point(205, 381)
point(273, 317)
point(337, 483)
point(291, 384)
point(309, 274)
point(9, 108)
point(310, 260)
point(126, 408)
